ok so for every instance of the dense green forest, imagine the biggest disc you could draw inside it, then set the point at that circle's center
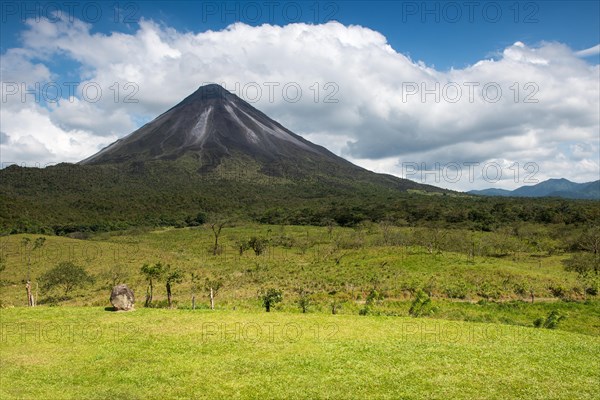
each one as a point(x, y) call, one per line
point(73, 198)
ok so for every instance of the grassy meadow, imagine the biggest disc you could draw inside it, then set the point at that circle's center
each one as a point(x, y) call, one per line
point(475, 340)
point(470, 281)
point(89, 353)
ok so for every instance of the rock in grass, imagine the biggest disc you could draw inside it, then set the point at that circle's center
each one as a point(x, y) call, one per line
point(122, 298)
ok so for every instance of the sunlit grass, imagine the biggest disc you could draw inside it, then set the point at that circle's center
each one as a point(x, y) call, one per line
point(83, 352)
point(318, 260)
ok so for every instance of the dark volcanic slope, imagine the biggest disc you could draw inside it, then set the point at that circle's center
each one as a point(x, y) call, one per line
point(212, 123)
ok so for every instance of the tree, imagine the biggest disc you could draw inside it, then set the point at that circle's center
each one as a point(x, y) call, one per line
point(587, 267)
point(196, 220)
point(116, 274)
point(270, 297)
point(432, 239)
point(67, 275)
point(583, 264)
point(194, 281)
point(151, 273)
point(258, 245)
point(172, 276)
point(337, 300)
point(240, 245)
point(386, 232)
point(212, 286)
point(304, 300)
point(30, 248)
point(216, 228)
point(590, 240)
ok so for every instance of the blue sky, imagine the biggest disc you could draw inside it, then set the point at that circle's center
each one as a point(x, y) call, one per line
point(445, 34)
point(374, 52)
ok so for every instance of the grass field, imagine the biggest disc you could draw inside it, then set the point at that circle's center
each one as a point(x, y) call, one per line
point(481, 288)
point(477, 341)
point(89, 353)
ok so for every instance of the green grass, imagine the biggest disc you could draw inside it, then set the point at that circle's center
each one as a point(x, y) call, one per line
point(581, 317)
point(352, 261)
point(89, 353)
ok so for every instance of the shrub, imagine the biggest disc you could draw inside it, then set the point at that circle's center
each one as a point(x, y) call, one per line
point(374, 297)
point(257, 244)
point(271, 297)
point(551, 321)
point(558, 291)
point(458, 291)
point(488, 291)
point(421, 305)
point(337, 300)
point(304, 301)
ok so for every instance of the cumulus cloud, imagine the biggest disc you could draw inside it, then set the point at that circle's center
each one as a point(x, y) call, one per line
point(340, 86)
point(33, 139)
point(78, 114)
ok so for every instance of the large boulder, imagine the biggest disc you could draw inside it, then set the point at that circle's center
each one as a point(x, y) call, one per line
point(122, 298)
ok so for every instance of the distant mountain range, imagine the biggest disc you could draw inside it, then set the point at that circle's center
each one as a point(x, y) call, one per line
point(550, 188)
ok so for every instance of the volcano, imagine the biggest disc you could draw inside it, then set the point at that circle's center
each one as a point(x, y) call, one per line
point(212, 153)
point(214, 127)
point(211, 125)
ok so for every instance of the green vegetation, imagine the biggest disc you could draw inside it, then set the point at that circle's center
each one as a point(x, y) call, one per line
point(86, 352)
point(270, 298)
point(372, 269)
point(66, 275)
point(172, 277)
point(331, 281)
point(550, 322)
point(386, 309)
point(421, 306)
point(151, 273)
point(79, 199)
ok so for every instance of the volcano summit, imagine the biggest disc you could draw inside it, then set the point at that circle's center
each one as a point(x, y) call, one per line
point(212, 124)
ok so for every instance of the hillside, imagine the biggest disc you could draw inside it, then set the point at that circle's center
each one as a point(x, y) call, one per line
point(214, 155)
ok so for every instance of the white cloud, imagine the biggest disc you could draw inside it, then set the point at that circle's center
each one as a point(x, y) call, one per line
point(592, 51)
point(77, 114)
point(33, 139)
point(547, 111)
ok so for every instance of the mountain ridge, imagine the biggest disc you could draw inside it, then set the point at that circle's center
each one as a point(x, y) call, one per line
point(554, 187)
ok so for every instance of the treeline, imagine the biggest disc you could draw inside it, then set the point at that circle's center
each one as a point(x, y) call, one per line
point(486, 214)
point(69, 199)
